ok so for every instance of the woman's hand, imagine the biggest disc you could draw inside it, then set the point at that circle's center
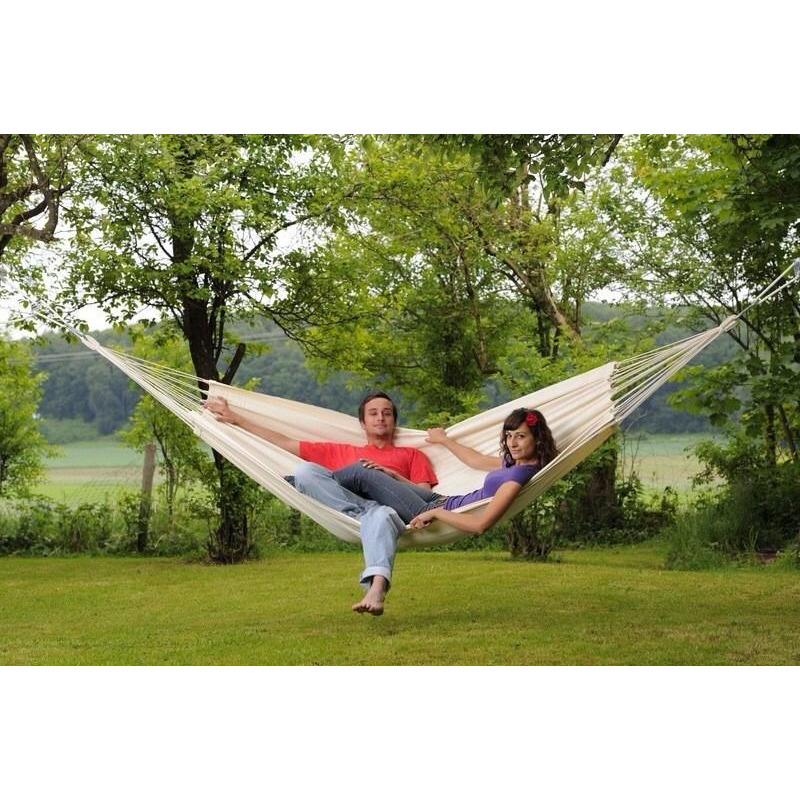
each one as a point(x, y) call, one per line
point(423, 519)
point(366, 462)
point(436, 436)
point(219, 407)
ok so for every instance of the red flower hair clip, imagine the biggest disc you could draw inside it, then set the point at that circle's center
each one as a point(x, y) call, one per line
point(531, 419)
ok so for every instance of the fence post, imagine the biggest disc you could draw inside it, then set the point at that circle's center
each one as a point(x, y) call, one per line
point(148, 471)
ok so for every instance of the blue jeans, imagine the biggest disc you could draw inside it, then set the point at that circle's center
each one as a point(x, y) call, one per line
point(380, 526)
point(406, 499)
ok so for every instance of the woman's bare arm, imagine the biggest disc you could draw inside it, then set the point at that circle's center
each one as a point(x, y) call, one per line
point(481, 520)
point(471, 457)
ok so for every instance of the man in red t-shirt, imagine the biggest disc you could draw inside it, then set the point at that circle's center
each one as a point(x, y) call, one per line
point(380, 525)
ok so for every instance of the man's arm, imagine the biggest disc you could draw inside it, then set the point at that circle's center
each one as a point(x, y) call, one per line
point(393, 473)
point(219, 407)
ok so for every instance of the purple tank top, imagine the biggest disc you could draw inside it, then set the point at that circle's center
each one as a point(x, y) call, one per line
point(519, 473)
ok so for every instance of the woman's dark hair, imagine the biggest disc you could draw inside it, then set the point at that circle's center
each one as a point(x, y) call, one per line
point(544, 446)
point(375, 396)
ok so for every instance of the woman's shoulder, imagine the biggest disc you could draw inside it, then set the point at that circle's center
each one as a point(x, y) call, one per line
point(520, 469)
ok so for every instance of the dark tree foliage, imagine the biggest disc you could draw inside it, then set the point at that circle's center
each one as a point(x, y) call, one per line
point(33, 179)
point(558, 162)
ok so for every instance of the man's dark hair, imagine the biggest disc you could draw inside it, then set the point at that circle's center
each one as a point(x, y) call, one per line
point(375, 396)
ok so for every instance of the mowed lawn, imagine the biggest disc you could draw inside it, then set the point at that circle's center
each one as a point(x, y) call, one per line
point(604, 606)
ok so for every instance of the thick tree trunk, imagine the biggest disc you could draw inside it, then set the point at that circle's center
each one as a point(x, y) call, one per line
point(599, 502)
point(231, 542)
point(529, 536)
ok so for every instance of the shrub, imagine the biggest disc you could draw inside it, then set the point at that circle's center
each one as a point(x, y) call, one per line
point(275, 526)
point(30, 526)
point(760, 501)
point(182, 530)
point(41, 526)
point(743, 518)
point(789, 557)
point(693, 539)
point(86, 528)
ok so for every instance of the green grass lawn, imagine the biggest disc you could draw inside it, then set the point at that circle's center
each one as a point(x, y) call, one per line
point(603, 606)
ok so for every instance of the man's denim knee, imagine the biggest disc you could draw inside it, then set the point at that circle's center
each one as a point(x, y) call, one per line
point(351, 477)
point(386, 518)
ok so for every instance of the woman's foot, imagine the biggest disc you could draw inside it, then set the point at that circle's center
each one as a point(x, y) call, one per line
point(372, 601)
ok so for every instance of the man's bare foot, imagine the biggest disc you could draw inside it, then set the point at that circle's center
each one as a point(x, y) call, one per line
point(372, 602)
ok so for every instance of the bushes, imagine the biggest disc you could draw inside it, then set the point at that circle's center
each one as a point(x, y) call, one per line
point(596, 504)
point(757, 510)
point(180, 531)
point(44, 527)
point(40, 526)
point(789, 558)
point(275, 526)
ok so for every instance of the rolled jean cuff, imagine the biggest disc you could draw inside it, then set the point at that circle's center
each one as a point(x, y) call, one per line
point(371, 572)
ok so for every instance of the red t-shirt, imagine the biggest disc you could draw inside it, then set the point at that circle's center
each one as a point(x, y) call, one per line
point(408, 461)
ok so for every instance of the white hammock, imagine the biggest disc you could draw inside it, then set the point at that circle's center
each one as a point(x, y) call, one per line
point(582, 413)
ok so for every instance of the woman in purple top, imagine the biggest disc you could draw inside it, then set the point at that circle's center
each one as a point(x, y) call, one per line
point(526, 445)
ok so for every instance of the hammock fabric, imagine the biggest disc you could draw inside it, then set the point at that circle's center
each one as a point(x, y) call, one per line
point(582, 413)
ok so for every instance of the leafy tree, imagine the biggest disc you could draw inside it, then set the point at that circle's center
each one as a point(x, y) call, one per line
point(34, 175)
point(453, 275)
point(712, 220)
point(557, 162)
point(427, 316)
point(21, 444)
point(190, 226)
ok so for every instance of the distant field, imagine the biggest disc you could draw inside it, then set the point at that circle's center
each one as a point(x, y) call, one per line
point(662, 459)
point(93, 471)
point(89, 472)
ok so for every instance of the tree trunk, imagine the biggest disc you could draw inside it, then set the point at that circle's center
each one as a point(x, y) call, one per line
point(592, 505)
point(770, 437)
point(599, 500)
point(529, 535)
point(231, 542)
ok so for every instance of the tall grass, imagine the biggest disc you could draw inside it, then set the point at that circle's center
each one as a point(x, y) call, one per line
point(738, 521)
